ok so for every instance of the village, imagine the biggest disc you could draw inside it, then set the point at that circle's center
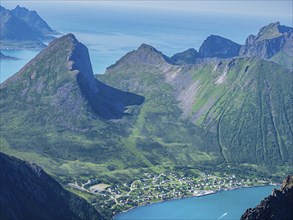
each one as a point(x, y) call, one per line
point(160, 187)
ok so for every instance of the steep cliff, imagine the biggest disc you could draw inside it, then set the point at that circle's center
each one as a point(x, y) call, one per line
point(270, 40)
point(278, 206)
point(27, 192)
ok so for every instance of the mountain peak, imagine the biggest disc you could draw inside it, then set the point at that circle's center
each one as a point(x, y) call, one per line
point(20, 8)
point(69, 36)
point(63, 69)
point(269, 41)
point(188, 56)
point(147, 51)
point(19, 11)
point(69, 40)
point(144, 46)
point(271, 31)
point(143, 55)
point(217, 46)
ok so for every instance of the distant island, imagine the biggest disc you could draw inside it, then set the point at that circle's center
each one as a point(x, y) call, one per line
point(5, 57)
point(23, 29)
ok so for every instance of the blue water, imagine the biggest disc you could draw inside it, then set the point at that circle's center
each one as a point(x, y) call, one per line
point(223, 205)
point(9, 67)
point(111, 29)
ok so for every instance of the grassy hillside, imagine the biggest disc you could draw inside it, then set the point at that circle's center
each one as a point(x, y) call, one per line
point(245, 103)
point(46, 118)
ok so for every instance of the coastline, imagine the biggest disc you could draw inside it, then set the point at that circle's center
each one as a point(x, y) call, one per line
point(207, 193)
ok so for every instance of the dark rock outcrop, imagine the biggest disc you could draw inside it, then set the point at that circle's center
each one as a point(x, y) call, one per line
point(216, 46)
point(27, 192)
point(278, 206)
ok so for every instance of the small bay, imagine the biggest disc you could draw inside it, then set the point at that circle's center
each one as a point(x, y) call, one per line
point(222, 205)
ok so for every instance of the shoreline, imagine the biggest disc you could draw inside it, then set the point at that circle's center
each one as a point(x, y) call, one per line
point(209, 192)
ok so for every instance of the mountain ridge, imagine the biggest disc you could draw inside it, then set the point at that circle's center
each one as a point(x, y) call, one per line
point(79, 67)
point(273, 42)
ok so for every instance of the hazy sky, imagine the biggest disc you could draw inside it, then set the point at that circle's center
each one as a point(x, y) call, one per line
point(274, 9)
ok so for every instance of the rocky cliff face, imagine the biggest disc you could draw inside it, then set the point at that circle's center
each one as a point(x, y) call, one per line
point(27, 192)
point(277, 206)
point(270, 40)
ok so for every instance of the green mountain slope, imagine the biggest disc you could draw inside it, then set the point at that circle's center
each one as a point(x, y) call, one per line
point(47, 117)
point(246, 103)
point(235, 111)
point(55, 113)
point(159, 130)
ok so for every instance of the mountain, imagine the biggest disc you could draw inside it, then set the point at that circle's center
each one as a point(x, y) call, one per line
point(189, 56)
point(276, 206)
point(272, 40)
point(216, 46)
point(56, 101)
point(245, 103)
point(33, 20)
point(144, 55)
point(54, 112)
point(72, 70)
point(21, 28)
point(27, 192)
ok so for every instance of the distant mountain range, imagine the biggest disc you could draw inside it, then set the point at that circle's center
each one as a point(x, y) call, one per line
point(273, 42)
point(27, 192)
point(276, 206)
point(222, 109)
point(21, 28)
